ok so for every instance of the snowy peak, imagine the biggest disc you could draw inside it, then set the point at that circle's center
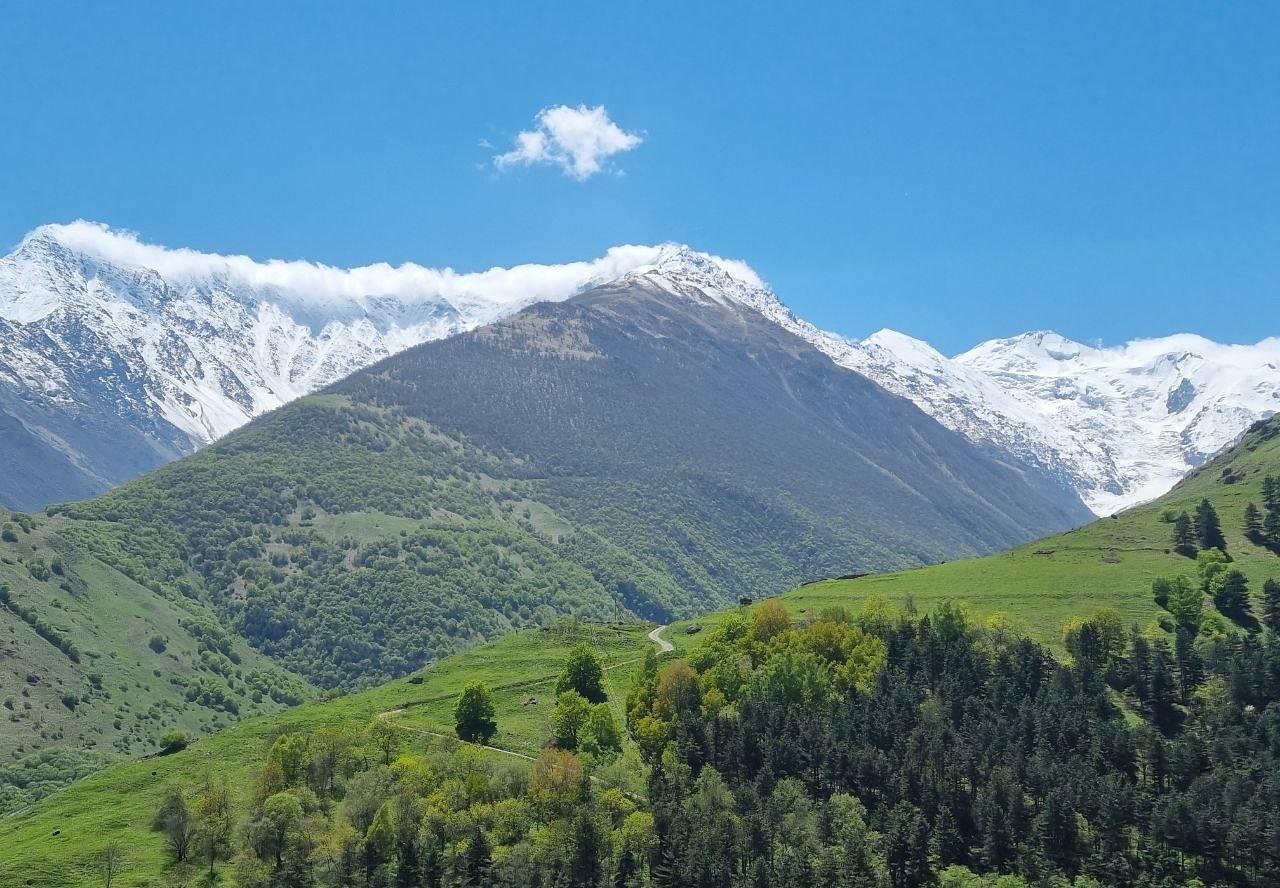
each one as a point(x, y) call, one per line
point(182, 347)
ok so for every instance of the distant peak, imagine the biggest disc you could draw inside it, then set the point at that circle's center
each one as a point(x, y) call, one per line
point(892, 339)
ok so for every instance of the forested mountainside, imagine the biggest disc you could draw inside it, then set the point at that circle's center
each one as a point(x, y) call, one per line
point(629, 451)
point(832, 735)
point(857, 747)
point(639, 452)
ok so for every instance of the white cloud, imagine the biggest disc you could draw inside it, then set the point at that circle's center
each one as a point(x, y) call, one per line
point(578, 140)
point(484, 295)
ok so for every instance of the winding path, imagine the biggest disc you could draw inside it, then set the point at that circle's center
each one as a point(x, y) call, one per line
point(664, 646)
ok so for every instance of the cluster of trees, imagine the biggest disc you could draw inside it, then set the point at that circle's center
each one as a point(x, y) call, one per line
point(1263, 527)
point(1204, 531)
point(1226, 586)
point(332, 807)
point(887, 751)
point(42, 627)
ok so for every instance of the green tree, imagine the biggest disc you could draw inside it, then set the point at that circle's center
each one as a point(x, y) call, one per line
point(571, 713)
point(215, 819)
point(906, 846)
point(387, 736)
point(379, 842)
point(175, 822)
point(1271, 605)
point(1253, 524)
point(1186, 603)
point(1271, 529)
point(276, 826)
point(474, 714)
point(172, 741)
point(1271, 493)
point(1231, 594)
point(599, 736)
point(477, 859)
point(1208, 527)
point(1184, 538)
point(584, 674)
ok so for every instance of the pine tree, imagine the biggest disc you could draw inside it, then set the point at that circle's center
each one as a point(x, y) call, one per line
point(1271, 493)
point(1271, 605)
point(1271, 530)
point(1253, 524)
point(1208, 527)
point(477, 860)
point(1184, 540)
point(1231, 595)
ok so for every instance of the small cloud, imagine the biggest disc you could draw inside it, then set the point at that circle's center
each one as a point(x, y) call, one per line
point(578, 140)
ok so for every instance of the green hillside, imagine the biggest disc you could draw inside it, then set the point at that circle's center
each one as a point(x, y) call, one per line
point(95, 667)
point(632, 454)
point(58, 843)
point(1108, 563)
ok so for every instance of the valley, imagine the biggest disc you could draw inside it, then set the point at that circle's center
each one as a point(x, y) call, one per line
point(1036, 589)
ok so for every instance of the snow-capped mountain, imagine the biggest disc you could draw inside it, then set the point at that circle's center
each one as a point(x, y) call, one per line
point(117, 356)
point(1133, 419)
point(1119, 426)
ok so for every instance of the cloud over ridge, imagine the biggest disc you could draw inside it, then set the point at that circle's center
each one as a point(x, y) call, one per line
point(303, 282)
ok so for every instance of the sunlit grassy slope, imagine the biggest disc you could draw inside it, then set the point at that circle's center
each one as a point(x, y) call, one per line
point(1110, 562)
point(95, 666)
point(55, 842)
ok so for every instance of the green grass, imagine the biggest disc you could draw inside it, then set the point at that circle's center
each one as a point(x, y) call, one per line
point(63, 715)
point(1039, 586)
point(54, 843)
point(1108, 563)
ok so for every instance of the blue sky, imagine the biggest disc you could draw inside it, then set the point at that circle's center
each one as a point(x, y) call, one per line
point(956, 171)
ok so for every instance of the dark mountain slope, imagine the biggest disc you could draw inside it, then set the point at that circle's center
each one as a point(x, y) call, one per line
point(634, 449)
point(631, 384)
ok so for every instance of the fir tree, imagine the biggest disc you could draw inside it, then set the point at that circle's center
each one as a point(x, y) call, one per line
point(1271, 605)
point(1184, 540)
point(1208, 527)
point(1271, 493)
point(477, 860)
point(1253, 524)
point(1231, 595)
point(1271, 530)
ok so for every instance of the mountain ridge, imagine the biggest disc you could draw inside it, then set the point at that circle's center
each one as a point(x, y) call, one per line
point(106, 338)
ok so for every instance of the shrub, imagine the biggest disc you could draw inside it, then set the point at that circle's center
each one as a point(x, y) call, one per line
point(172, 741)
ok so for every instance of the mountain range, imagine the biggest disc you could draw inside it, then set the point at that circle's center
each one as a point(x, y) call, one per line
point(652, 447)
point(117, 356)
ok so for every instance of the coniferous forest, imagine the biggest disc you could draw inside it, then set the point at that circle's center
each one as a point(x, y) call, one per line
point(872, 750)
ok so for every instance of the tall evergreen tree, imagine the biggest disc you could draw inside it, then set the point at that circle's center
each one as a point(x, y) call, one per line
point(1208, 527)
point(1184, 538)
point(1271, 530)
point(1271, 605)
point(477, 860)
point(1271, 493)
point(1253, 524)
point(1231, 595)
